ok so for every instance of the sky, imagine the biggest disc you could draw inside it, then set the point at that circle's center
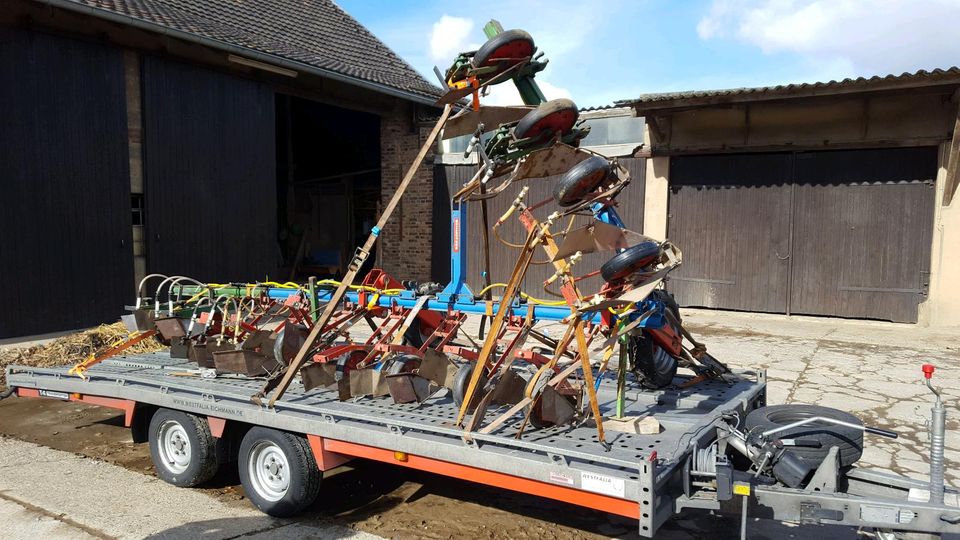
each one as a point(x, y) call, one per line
point(607, 50)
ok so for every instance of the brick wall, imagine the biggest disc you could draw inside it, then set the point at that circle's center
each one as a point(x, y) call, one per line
point(405, 242)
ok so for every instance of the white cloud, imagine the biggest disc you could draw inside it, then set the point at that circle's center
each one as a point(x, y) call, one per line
point(881, 36)
point(506, 93)
point(450, 36)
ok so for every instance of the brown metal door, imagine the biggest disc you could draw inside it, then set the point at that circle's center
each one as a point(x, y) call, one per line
point(862, 232)
point(730, 216)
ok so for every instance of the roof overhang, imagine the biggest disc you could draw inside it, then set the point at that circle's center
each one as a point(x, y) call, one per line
point(280, 62)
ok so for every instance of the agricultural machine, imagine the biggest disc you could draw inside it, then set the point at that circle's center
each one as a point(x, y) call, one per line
point(624, 411)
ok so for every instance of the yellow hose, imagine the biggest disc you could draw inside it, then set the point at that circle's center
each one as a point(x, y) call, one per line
point(538, 301)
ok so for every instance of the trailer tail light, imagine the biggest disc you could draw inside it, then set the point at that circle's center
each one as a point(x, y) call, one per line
point(400, 456)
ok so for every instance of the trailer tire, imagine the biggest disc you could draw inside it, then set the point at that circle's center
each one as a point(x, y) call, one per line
point(582, 179)
point(278, 471)
point(849, 441)
point(630, 260)
point(183, 450)
point(554, 116)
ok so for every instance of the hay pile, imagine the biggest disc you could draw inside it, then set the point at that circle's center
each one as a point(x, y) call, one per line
point(73, 348)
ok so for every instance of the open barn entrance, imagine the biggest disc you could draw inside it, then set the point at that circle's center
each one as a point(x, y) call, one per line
point(328, 184)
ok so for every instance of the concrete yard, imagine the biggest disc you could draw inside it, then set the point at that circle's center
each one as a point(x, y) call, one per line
point(869, 368)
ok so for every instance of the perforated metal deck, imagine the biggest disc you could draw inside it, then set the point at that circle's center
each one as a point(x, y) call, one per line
point(559, 455)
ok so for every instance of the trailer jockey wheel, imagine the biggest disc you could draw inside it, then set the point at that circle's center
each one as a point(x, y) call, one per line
point(509, 45)
point(630, 261)
point(183, 450)
point(550, 118)
point(581, 180)
point(278, 471)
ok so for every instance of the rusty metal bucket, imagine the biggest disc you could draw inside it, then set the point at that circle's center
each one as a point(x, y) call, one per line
point(171, 328)
point(318, 374)
point(244, 362)
point(180, 348)
point(509, 389)
point(436, 367)
point(367, 382)
point(408, 388)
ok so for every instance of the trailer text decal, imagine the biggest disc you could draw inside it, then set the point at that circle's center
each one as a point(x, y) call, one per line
point(207, 407)
point(598, 483)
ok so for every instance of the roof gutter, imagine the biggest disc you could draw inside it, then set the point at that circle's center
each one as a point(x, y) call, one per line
point(235, 49)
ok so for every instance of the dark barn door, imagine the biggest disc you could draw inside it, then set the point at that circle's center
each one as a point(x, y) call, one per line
point(729, 215)
point(863, 230)
point(66, 259)
point(842, 233)
point(448, 179)
point(210, 173)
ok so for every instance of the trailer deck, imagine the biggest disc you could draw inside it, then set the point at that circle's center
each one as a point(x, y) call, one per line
point(565, 462)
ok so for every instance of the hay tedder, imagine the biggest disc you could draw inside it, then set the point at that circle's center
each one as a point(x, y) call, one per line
point(622, 410)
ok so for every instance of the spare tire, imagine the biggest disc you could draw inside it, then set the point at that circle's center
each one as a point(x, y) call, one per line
point(630, 260)
point(554, 116)
point(582, 179)
point(849, 441)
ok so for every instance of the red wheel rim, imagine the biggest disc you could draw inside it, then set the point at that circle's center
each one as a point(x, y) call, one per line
point(520, 48)
point(558, 122)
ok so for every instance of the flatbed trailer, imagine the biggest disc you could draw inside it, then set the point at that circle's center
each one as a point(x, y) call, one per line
point(649, 477)
point(565, 463)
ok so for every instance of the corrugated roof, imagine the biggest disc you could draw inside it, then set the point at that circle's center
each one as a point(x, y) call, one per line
point(906, 80)
point(313, 32)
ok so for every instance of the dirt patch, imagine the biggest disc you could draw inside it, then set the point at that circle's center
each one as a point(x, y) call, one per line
point(72, 348)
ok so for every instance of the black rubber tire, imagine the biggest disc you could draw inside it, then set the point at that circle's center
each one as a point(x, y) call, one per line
point(848, 440)
point(304, 476)
point(653, 365)
point(402, 363)
point(630, 260)
point(462, 380)
point(581, 180)
point(414, 335)
point(509, 44)
point(202, 447)
point(556, 115)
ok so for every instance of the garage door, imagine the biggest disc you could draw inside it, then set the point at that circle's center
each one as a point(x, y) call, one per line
point(839, 233)
point(65, 228)
point(210, 172)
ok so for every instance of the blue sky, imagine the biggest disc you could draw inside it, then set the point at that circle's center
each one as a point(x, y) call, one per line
point(606, 50)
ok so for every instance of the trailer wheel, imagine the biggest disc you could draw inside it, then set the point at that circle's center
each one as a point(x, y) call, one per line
point(554, 116)
point(629, 261)
point(183, 450)
point(512, 44)
point(848, 440)
point(278, 471)
point(581, 180)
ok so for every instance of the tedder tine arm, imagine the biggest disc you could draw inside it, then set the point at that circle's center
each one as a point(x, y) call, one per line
point(352, 270)
point(490, 343)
